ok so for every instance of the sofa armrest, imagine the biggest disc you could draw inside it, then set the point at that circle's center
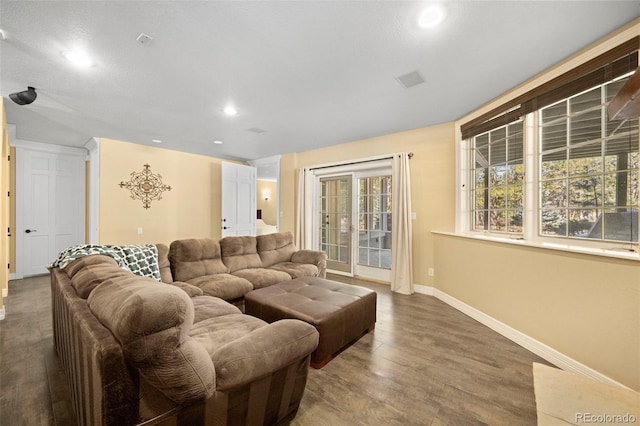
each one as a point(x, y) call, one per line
point(262, 352)
point(313, 257)
point(191, 290)
point(151, 322)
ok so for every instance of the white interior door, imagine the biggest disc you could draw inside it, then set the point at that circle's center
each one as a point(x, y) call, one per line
point(238, 199)
point(50, 214)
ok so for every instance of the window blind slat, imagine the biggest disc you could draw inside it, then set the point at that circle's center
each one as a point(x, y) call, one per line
point(608, 72)
point(611, 64)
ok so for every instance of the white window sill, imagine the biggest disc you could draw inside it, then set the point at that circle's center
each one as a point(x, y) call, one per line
point(618, 253)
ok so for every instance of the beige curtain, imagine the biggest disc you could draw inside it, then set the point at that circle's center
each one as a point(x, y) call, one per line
point(301, 223)
point(401, 263)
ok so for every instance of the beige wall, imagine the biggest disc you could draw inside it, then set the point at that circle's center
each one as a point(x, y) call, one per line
point(432, 178)
point(190, 210)
point(268, 207)
point(587, 307)
point(584, 306)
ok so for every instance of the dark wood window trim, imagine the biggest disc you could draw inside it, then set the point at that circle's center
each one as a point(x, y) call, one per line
point(614, 63)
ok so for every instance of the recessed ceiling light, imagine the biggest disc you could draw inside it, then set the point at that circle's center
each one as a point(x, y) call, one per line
point(218, 142)
point(432, 16)
point(156, 141)
point(230, 110)
point(78, 58)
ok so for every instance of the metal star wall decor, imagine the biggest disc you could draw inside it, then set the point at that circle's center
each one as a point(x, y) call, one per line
point(145, 186)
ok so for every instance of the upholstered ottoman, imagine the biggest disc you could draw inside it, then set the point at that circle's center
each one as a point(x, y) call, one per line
point(340, 312)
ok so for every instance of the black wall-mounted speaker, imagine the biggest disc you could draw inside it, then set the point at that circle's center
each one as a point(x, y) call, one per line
point(25, 97)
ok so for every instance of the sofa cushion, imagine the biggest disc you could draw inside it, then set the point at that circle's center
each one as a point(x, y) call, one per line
point(240, 253)
point(163, 263)
point(152, 323)
point(224, 286)
point(205, 307)
point(264, 350)
point(191, 258)
point(245, 347)
point(82, 262)
point(296, 270)
point(88, 272)
point(92, 276)
point(275, 248)
point(262, 277)
point(191, 290)
point(215, 332)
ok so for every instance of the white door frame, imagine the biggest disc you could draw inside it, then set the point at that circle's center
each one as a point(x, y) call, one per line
point(93, 202)
point(21, 146)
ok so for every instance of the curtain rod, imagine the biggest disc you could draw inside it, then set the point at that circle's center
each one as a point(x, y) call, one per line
point(368, 160)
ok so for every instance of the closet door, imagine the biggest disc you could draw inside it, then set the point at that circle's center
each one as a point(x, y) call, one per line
point(50, 206)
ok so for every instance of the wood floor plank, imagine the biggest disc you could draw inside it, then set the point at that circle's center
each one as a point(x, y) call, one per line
point(424, 364)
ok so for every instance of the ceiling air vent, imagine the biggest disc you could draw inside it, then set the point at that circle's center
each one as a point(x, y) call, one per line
point(256, 130)
point(411, 79)
point(144, 38)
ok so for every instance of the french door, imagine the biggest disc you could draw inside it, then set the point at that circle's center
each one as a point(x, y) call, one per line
point(354, 221)
point(374, 226)
point(336, 221)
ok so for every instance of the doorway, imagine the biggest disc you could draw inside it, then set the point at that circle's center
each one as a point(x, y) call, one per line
point(50, 204)
point(267, 194)
point(336, 222)
point(353, 221)
point(374, 226)
point(238, 200)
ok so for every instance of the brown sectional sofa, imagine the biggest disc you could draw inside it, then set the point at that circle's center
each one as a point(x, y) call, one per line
point(233, 266)
point(137, 350)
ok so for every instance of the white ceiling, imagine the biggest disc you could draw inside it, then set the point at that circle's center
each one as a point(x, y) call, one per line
point(308, 73)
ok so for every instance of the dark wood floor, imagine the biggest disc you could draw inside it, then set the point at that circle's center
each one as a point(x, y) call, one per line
point(425, 364)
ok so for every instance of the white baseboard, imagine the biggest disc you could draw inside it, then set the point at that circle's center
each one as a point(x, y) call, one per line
point(12, 276)
point(2, 313)
point(548, 353)
point(423, 289)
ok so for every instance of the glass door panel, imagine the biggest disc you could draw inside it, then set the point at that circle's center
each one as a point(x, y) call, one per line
point(374, 222)
point(335, 222)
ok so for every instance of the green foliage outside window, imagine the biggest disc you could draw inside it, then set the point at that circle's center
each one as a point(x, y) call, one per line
point(589, 178)
point(499, 180)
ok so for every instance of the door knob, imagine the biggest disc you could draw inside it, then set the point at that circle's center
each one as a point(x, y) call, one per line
point(28, 231)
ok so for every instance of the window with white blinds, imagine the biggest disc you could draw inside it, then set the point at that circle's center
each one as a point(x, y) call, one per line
point(551, 164)
point(588, 168)
point(498, 180)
